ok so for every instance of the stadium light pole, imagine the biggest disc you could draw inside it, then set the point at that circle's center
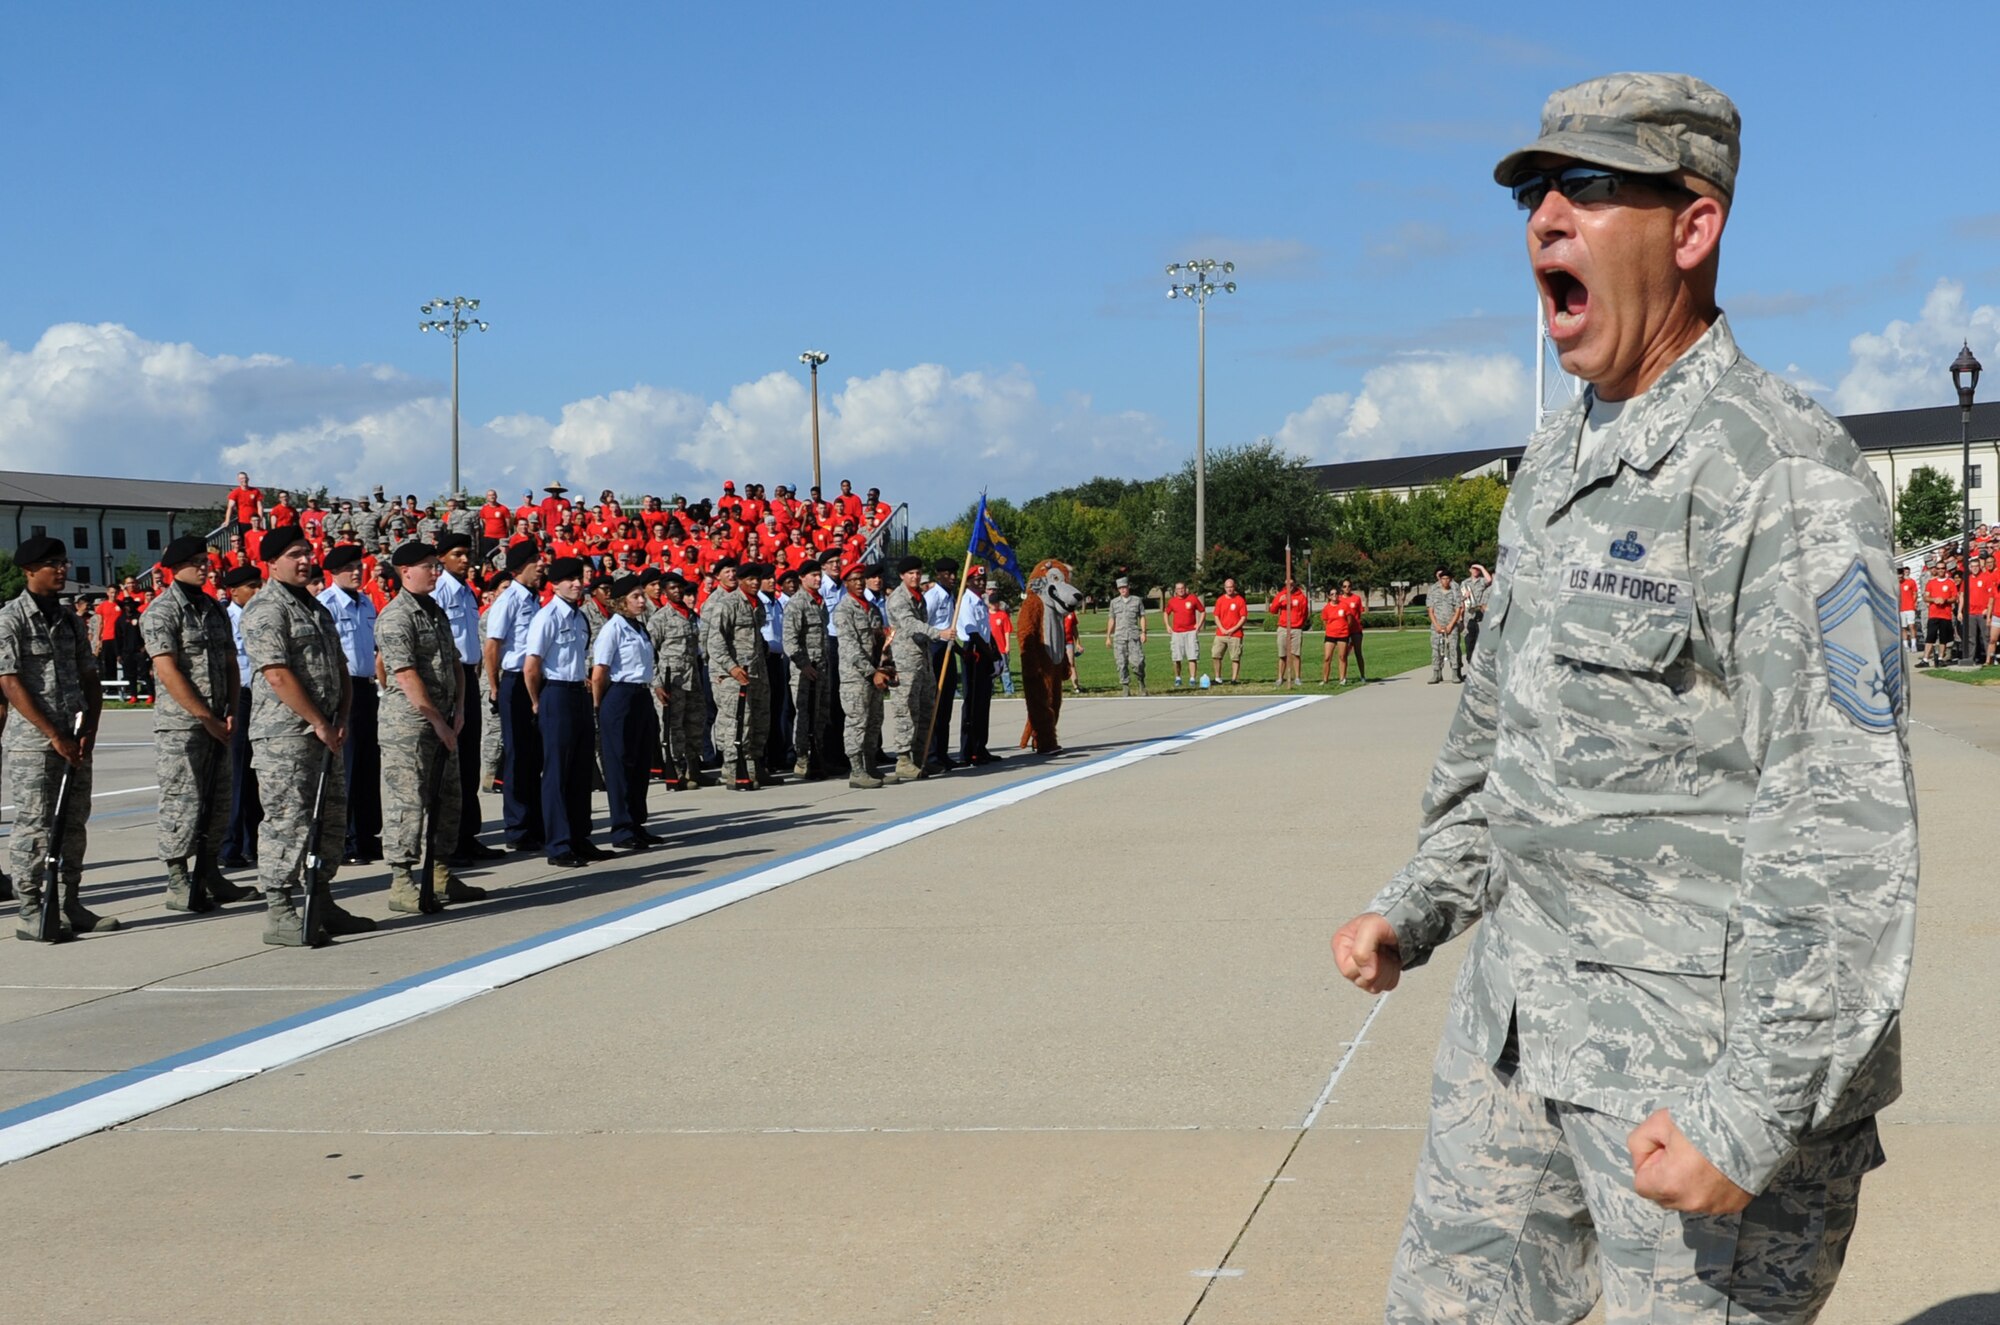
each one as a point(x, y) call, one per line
point(813, 359)
point(1965, 377)
point(454, 326)
point(1196, 280)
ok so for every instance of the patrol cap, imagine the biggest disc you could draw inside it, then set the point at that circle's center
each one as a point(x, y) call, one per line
point(522, 554)
point(452, 543)
point(183, 551)
point(907, 564)
point(40, 550)
point(240, 576)
point(340, 558)
point(626, 584)
point(1121, 583)
point(413, 553)
point(281, 540)
point(1653, 124)
point(565, 568)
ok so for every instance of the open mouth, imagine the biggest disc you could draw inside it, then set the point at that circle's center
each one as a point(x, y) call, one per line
point(1568, 300)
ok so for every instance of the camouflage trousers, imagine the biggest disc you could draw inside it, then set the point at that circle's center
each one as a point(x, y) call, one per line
point(1130, 655)
point(489, 735)
point(33, 777)
point(684, 725)
point(288, 774)
point(195, 779)
point(1524, 1212)
point(755, 728)
point(1444, 653)
point(909, 708)
point(811, 711)
point(415, 764)
point(861, 708)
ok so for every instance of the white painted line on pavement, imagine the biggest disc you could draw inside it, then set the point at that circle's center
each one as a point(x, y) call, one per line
point(172, 1080)
point(1216, 1274)
point(1360, 1038)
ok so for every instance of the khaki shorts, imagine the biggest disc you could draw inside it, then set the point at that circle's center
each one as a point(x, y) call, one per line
point(1183, 644)
point(1228, 646)
point(1289, 641)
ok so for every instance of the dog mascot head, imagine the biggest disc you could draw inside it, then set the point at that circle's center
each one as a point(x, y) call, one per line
point(1052, 599)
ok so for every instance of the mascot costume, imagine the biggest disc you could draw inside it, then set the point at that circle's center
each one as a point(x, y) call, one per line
point(1046, 609)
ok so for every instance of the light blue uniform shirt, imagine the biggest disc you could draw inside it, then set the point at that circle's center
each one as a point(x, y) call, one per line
point(831, 595)
point(973, 619)
point(560, 637)
point(774, 622)
point(242, 654)
point(508, 620)
point(626, 650)
point(354, 613)
point(462, 606)
point(937, 607)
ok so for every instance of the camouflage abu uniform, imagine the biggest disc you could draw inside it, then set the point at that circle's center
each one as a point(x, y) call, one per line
point(859, 626)
point(51, 655)
point(909, 712)
point(1678, 794)
point(804, 632)
point(287, 627)
point(1128, 648)
point(735, 637)
point(193, 767)
point(676, 635)
point(1441, 607)
point(413, 632)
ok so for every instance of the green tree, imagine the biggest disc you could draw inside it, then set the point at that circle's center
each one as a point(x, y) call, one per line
point(12, 580)
point(1931, 508)
point(1258, 497)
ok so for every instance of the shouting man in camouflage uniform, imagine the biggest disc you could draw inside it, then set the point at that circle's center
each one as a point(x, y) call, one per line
point(676, 634)
point(49, 679)
point(805, 649)
point(864, 675)
point(423, 713)
point(1676, 797)
point(299, 701)
point(193, 648)
point(1125, 635)
point(910, 645)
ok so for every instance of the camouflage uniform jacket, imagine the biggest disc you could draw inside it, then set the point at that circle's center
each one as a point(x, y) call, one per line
point(461, 521)
point(287, 627)
point(734, 634)
point(910, 619)
point(366, 525)
point(429, 528)
point(1442, 605)
point(805, 629)
point(53, 659)
point(859, 626)
point(1127, 615)
point(676, 636)
point(195, 630)
point(414, 632)
point(1677, 786)
point(594, 616)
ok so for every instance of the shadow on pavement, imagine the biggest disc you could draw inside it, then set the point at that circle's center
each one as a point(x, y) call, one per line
point(1979, 1309)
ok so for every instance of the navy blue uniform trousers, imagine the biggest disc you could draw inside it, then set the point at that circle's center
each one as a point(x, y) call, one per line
point(623, 719)
point(569, 763)
point(520, 763)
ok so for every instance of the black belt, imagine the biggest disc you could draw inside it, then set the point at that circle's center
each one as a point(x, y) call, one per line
point(563, 685)
point(368, 681)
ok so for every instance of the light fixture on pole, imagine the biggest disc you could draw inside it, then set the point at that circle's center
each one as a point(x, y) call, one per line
point(1196, 280)
point(455, 326)
point(1965, 377)
point(813, 359)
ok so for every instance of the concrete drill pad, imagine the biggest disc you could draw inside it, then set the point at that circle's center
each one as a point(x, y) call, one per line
point(115, 1033)
point(1074, 1227)
point(25, 1087)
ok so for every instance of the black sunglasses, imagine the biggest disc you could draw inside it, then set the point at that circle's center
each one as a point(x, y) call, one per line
point(1583, 184)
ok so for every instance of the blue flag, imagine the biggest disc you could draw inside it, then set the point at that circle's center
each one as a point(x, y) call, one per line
point(989, 544)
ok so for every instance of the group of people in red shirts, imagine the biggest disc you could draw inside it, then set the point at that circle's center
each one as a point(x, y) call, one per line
point(1952, 584)
point(1183, 613)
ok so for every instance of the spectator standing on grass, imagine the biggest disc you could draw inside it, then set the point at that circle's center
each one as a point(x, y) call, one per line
point(1002, 623)
point(1231, 610)
point(1182, 614)
point(1446, 608)
point(1125, 636)
point(1978, 601)
point(1940, 605)
point(1288, 608)
point(1906, 595)
point(1340, 627)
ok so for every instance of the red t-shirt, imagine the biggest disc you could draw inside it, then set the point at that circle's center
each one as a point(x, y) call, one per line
point(1290, 608)
point(1002, 626)
point(850, 507)
point(1909, 588)
point(282, 515)
point(1334, 614)
point(1231, 609)
point(243, 501)
point(1982, 593)
point(107, 613)
point(1940, 587)
point(1355, 608)
point(1184, 613)
point(493, 520)
point(312, 520)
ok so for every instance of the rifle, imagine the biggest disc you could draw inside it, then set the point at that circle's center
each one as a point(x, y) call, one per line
point(427, 901)
point(311, 923)
point(52, 856)
point(742, 736)
point(203, 860)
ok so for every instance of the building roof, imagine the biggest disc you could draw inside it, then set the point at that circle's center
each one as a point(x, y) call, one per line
point(1901, 429)
point(125, 494)
point(1408, 471)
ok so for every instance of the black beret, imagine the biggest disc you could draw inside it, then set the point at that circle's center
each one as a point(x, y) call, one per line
point(413, 553)
point(341, 557)
point(624, 585)
point(652, 575)
point(453, 542)
point(811, 567)
point(726, 563)
point(872, 570)
point(791, 575)
point(833, 561)
point(908, 564)
point(943, 566)
point(672, 581)
point(278, 541)
point(756, 569)
point(40, 550)
point(565, 568)
point(240, 576)
point(521, 554)
point(185, 550)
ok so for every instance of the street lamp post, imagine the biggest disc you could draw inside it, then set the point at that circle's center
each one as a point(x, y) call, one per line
point(1965, 377)
point(1196, 280)
point(813, 359)
point(455, 326)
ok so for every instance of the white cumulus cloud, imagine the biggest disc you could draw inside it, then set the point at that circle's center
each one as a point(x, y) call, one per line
point(1415, 406)
point(1904, 366)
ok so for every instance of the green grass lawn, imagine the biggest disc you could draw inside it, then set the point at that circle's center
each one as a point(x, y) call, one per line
point(1977, 676)
point(1388, 652)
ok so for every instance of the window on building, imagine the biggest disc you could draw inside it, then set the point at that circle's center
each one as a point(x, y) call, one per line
point(1972, 479)
point(38, 530)
point(117, 539)
point(82, 539)
point(152, 540)
point(1977, 517)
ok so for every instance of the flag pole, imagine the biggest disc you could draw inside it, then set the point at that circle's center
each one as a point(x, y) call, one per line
point(951, 632)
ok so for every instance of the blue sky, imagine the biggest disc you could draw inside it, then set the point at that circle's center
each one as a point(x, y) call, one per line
point(226, 216)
